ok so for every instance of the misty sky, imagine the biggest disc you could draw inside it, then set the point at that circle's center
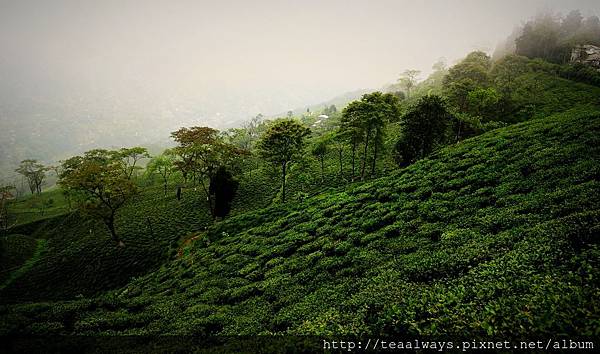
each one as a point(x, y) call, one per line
point(220, 62)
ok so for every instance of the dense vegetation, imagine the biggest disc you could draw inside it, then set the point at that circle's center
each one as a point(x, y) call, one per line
point(466, 203)
point(494, 235)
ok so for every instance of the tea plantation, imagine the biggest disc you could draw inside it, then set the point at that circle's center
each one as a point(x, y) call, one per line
point(495, 235)
point(79, 258)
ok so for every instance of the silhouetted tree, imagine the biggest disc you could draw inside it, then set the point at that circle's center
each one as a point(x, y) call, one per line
point(34, 172)
point(408, 79)
point(224, 187)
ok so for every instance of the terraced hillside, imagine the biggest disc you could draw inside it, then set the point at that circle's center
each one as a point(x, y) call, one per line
point(15, 251)
point(495, 235)
point(80, 258)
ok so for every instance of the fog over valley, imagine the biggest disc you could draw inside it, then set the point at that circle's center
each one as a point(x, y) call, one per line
point(81, 74)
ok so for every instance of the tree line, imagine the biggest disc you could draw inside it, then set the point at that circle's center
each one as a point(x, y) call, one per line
point(410, 122)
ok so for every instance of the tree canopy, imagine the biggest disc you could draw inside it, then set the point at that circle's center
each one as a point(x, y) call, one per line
point(98, 185)
point(283, 143)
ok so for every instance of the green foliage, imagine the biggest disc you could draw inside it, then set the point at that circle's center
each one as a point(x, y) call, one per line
point(283, 143)
point(495, 235)
point(164, 166)
point(99, 181)
point(34, 172)
point(364, 123)
point(408, 80)
point(424, 129)
point(200, 154)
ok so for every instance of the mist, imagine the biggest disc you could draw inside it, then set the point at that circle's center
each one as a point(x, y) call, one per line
point(82, 74)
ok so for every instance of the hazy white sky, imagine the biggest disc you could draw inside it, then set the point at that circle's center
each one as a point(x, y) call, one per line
point(223, 61)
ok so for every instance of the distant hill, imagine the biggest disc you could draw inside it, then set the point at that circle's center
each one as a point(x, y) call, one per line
point(339, 101)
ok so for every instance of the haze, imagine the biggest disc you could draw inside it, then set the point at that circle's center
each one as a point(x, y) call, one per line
point(80, 74)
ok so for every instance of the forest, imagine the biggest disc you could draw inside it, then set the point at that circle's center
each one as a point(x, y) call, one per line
point(462, 204)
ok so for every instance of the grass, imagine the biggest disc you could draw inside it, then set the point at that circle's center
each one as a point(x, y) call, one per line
point(32, 208)
point(497, 235)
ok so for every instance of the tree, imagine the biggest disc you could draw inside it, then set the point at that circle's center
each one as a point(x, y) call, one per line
point(319, 150)
point(424, 128)
point(483, 102)
point(283, 143)
point(240, 137)
point(163, 165)
point(338, 142)
point(253, 126)
point(571, 24)
point(97, 184)
point(351, 129)
point(408, 79)
point(364, 122)
point(506, 70)
point(540, 38)
point(130, 157)
point(201, 151)
point(330, 110)
point(34, 172)
point(224, 187)
point(470, 74)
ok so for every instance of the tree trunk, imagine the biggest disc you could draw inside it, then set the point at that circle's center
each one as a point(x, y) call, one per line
point(374, 158)
point(364, 157)
point(149, 223)
point(283, 172)
point(110, 223)
point(208, 198)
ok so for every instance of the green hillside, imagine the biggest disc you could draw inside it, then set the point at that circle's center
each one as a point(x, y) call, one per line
point(15, 250)
point(80, 258)
point(494, 235)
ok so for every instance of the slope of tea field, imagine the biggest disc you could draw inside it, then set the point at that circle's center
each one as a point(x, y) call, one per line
point(495, 235)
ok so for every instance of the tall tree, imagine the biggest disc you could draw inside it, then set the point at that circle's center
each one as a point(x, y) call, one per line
point(201, 151)
point(364, 122)
point(163, 165)
point(408, 79)
point(470, 74)
point(424, 128)
point(283, 144)
point(352, 129)
point(130, 157)
point(97, 184)
point(224, 187)
point(34, 172)
point(319, 150)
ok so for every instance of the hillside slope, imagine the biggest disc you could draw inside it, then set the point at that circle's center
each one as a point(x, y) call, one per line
point(495, 235)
